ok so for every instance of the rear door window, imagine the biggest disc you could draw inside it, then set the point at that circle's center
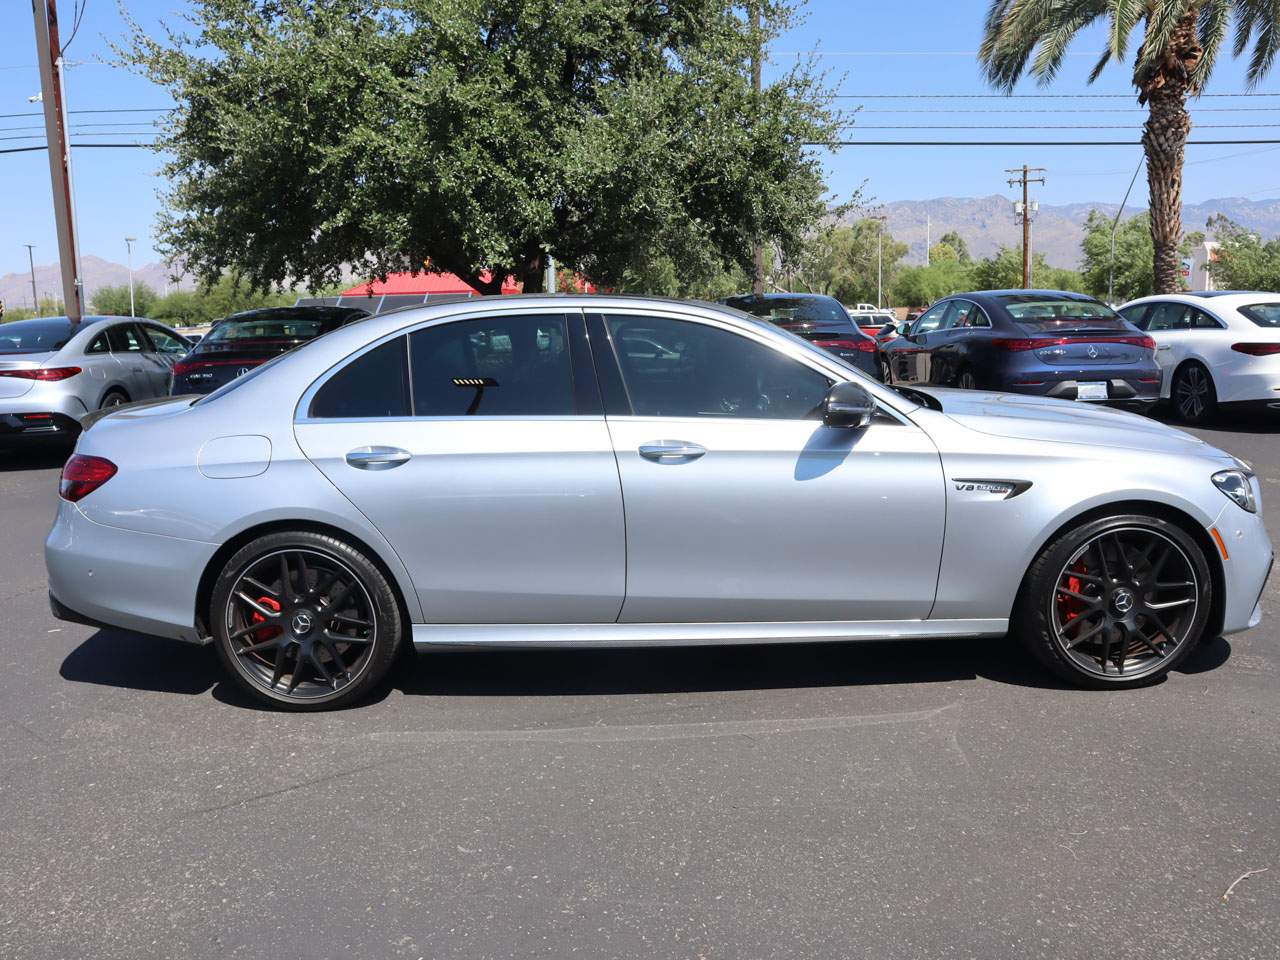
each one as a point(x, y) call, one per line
point(124, 338)
point(1169, 316)
point(166, 342)
point(513, 366)
point(374, 385)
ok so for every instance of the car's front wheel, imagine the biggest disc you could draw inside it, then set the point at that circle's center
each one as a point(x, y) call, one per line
point(1115, 602)
point(304, 621)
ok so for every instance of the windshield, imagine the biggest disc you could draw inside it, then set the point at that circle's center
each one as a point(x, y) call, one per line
point(1263, 314)
point(814, 318)
point(35, 336)
point(1045, 314)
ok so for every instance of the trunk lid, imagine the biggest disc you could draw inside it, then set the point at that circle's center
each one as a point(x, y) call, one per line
point(18, 386)
point(1088, 347)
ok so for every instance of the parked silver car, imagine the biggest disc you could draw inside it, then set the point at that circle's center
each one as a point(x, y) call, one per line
point(559, 471)
point(52, 373)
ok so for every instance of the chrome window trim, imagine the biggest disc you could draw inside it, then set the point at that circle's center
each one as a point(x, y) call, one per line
point(826, 365)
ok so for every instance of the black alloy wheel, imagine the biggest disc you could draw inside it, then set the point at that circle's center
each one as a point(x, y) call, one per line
point(966, 380)
point(1194, 396)
point(1116, 603)
point(304, 621)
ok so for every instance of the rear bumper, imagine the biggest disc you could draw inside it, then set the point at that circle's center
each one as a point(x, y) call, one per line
point(108, 576)
point(37, 424)
point(1125, 392)
point(1261, 387)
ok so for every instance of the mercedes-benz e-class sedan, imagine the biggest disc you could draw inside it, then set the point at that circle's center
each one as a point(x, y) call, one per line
point(242, 341)
point(52, 372)
point(558, 471)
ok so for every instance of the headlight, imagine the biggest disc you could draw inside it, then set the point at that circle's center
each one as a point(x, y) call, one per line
point(1235, 484)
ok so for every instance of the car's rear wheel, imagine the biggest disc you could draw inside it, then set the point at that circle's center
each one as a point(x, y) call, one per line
point(1115, 602)
point(1194, 396)
point(113, 398)
point(305, 621)
point(966, 380)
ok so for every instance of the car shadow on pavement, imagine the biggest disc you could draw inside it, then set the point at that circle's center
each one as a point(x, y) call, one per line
point(42, 456)
point(118, 658)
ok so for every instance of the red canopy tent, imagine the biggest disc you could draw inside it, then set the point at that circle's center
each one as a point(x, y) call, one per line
point(413, 284)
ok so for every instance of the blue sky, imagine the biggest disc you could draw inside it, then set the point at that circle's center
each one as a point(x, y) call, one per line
point(920, 47)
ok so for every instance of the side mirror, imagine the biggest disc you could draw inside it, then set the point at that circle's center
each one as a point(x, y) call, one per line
point(848, 405)
point(887, 329)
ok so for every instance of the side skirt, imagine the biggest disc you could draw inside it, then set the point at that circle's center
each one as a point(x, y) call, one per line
point(437, 635)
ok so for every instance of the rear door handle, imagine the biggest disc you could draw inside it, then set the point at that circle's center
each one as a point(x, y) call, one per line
point(671, 451)
point(378, 458)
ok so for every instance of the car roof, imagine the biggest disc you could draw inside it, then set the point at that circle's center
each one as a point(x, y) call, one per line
point(317, 311)
point(1020, 292)
point(1221, 298)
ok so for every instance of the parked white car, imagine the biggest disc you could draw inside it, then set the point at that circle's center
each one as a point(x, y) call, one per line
point(1214, 348)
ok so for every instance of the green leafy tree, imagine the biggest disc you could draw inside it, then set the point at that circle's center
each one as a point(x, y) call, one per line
point(1133, 260)
point(845, 262)
point(483, 135)
point(114, 301)
point(1180, 43)
point(956, 243)
point(1244, 261)
point(213, 301)
point(920, 286)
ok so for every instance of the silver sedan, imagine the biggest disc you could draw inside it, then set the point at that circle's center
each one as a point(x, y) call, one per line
point(561, 471)
point(53, 373)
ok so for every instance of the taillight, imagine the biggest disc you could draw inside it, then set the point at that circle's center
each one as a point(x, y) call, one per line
point(189, 366)
point(1257, 349)
point(1018, 344)
point(81, 475)
point(862, 343)
point(42, 373)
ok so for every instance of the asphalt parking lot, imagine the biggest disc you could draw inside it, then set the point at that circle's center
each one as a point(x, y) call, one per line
point(879, 800)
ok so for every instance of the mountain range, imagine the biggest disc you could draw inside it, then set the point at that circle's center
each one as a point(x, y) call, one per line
point(986, 223)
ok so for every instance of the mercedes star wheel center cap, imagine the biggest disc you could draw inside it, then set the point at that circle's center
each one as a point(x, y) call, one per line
point(1122, 600)
point(302, 623)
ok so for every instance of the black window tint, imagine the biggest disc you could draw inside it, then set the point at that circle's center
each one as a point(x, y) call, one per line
point(124, 338)
point(493, 367)
point(675, 368)
point(99, 345)
point(373, 385)
point(1202, 321)
point(1263, 314)
point(932, 319)
point(1136, 315)
point(166, 342)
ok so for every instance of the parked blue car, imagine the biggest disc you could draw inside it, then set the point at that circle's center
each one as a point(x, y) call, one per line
point(1048, 343)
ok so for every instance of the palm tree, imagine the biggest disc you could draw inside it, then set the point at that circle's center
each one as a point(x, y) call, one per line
point(1179, 46)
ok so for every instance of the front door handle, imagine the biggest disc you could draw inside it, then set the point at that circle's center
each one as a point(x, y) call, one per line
point(671, 451)
point(378, 458)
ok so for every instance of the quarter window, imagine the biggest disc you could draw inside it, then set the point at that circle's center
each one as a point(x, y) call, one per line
point(516, 366)
point(676, 368)
point(1202, 321)
point(98, 345)
point(375, 384)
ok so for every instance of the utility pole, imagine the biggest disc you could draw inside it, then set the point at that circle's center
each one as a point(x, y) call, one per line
point(1024, 210)
point(31, 261)
point(53, 95)
point(928, 237)
point(757, 54)
point(880, 260)
point(128, 242)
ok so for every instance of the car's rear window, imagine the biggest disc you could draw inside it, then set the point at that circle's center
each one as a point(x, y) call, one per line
point(34, 336)
point(287, 330)
point(814, 318)
point(1041, 314)
point(1263, 314)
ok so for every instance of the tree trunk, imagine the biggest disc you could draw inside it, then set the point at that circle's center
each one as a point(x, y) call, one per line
point(1164, 140)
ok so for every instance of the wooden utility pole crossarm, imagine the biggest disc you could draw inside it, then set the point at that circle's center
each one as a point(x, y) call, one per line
point(49, 53)
point(1023, 177)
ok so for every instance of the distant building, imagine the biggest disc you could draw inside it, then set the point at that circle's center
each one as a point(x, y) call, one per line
point(1195, 268)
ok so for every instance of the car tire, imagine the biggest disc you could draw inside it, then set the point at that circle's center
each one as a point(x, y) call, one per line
point(966, 380)
point(1094, 600)
point(113, 398)
point(1195, 399)
point(305, 621)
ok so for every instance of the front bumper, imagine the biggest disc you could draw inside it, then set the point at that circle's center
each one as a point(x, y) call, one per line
point(103, 575)
point(1248, 564)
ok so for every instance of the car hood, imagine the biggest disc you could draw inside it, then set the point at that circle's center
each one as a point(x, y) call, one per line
point(1065, 421)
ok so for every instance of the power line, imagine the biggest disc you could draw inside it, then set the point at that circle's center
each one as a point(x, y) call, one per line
point(96, 133)
point(37, 113)
point(1022, 143)
point(82, 146)
point(1021, 96)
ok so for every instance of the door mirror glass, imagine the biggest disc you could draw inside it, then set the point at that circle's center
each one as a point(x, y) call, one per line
point(887, 329)
point(848, 405)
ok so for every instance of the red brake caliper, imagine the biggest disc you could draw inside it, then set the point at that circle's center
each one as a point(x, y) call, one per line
point(1069, 607)
point(267, 632)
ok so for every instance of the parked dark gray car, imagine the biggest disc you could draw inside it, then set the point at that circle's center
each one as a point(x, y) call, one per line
point(1049, 343)
point(821, 320)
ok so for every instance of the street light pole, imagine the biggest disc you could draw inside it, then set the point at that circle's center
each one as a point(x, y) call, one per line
point(880, 261)
point(35, 299)
point(128, 242)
